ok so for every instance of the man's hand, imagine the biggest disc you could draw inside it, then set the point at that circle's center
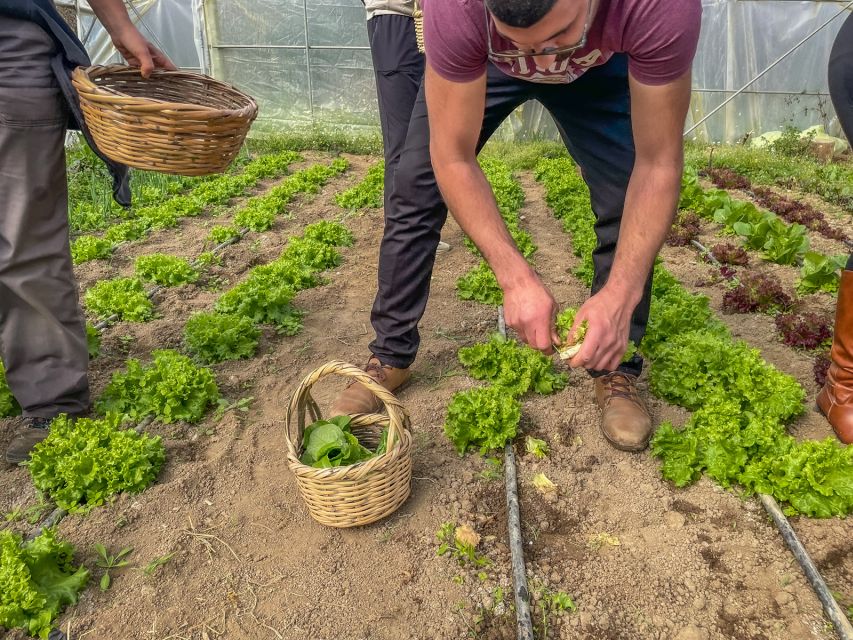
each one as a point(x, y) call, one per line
point(609, 318)
point(139, 52)
point(530, 309)
point(130, 44)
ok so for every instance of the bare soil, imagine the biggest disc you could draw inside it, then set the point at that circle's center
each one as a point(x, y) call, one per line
point(640, 558)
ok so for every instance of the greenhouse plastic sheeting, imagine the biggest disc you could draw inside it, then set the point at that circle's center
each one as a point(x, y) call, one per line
point(333, 85)
point(741, 39)
point(169, 24)
point(307, 61)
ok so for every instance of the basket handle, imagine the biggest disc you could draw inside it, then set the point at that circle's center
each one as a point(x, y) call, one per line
point(302, 402)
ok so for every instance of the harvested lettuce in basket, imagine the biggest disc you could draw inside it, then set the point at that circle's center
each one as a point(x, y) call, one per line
point(331, 443)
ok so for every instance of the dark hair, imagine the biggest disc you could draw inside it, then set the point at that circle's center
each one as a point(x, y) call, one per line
point(519, 13)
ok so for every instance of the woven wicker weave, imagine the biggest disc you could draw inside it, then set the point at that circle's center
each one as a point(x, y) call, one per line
point(361, 493)
point(173, 122)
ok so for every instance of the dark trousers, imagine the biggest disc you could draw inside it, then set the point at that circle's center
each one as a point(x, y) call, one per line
point(399, 70)
point(42, 334)
point(594, 118)
point(841, 84)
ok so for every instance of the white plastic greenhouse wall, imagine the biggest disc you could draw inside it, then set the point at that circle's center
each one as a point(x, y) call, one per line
point(307, 61)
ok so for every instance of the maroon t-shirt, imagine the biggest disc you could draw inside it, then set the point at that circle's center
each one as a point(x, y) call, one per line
point(659, 37)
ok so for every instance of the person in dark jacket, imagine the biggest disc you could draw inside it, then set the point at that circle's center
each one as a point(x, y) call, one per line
point(835, 400)
point(42, 329)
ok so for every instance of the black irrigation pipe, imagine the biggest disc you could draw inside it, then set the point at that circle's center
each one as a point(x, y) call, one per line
point(521, 593)
point(830, 607)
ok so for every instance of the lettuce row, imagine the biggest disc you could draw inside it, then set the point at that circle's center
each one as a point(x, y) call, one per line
point(741, 404)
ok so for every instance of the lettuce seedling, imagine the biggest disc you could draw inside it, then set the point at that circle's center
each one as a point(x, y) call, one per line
point(215, 337)
point(171, 388)
point(165, 270)
point(485, 417)
point(514, 367)
point(124, 297)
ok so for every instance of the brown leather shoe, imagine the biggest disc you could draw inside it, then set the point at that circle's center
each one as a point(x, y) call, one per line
point(356, 398)
point(835, 400)
point(625, 421)
point(29, 433)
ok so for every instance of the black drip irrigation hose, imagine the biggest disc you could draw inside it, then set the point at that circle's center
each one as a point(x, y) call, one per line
point(524, 621)
point(830, 607)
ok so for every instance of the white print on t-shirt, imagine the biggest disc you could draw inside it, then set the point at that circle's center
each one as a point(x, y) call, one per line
point(558, 72)
point(589, 59)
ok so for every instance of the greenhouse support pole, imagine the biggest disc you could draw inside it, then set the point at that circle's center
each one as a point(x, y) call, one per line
point(308, 62)
point(768, 68)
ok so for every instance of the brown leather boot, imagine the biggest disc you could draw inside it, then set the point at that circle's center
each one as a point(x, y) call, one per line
point(28, 433)
point(835, 400)
point(356, 398)
point(625, 421)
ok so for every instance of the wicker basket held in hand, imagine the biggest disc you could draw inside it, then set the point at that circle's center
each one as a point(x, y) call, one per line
point(173, 122)
point(360, 493)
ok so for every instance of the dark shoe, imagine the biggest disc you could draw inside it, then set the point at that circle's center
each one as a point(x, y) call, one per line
point(835, 400)
point(29, 433)
point(625, 421)
point(356, 398)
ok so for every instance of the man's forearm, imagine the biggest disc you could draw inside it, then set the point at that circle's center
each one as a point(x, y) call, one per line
point(650, 205)
point(112, 14)
point(469, 197)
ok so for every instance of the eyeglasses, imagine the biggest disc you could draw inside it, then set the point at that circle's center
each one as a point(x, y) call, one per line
point(526, 53)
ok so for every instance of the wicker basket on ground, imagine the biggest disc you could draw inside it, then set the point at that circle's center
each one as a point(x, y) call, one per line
point(361, 493)
point(173, 122)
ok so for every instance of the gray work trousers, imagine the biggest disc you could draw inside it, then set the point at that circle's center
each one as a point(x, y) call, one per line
point(42, 330)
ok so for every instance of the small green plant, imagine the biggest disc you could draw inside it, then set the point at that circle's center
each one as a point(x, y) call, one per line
point(224, 406)
point(109, 562)
point(312, 254)
point(262, 298)
point(86, 248)
point(216, 337)
point(126, 232)
point(493, 470)
point(124, 297)
point(165, 270)
point(539, 448)
point(480, 285)
point(367, 193)
point(93, 341)
point(8, 405)
point(553, 603)
point(208, 259)
point(329, 233)
point(150, 568)
point(460, 543)
point(792, 143)
point(223, 233)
